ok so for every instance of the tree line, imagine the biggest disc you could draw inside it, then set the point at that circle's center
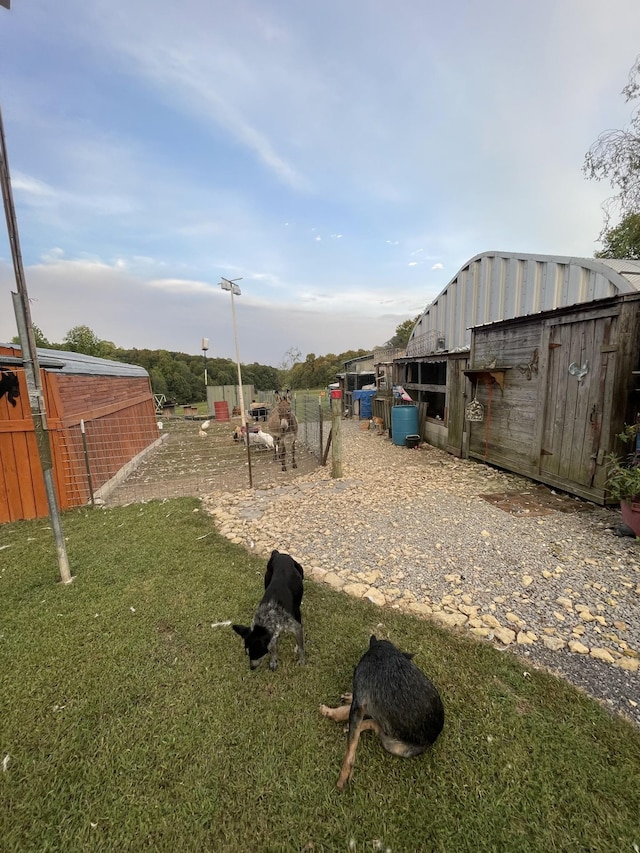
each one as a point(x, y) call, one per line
point(181, 377)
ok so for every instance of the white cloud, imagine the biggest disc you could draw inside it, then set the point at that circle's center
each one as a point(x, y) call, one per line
point(172, 149)
point(134, 311)
point(30, 186)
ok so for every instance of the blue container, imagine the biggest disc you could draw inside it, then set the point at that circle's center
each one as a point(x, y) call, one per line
point(404, 422)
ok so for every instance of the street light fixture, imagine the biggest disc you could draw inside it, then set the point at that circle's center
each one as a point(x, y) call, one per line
point(234, 290)
point(205, 347)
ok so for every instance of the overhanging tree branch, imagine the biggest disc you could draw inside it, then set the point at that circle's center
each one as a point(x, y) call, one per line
point(615, 157)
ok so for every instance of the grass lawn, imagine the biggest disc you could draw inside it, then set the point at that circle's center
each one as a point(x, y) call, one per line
point(131, 724)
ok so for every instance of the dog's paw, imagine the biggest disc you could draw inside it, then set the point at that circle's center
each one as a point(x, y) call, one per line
point(273, 665)
point(326, 711)
point(343, 781)
point(346, 698)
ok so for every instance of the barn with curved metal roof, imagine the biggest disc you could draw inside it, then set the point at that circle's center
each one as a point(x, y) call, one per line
point(495, 286)
point(547, 349)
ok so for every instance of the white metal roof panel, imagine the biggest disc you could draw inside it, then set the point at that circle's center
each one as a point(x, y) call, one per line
point(77, 363)
point(496, 286)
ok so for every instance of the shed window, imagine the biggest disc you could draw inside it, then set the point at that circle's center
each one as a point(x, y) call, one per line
point(426, 381)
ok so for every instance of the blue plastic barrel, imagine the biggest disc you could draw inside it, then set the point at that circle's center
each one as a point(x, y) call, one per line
point(404, 422)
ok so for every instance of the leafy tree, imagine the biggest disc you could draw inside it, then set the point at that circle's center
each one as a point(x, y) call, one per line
point(83, 339)
point(623, 241)
point(107, 349)
point(41, 341)
point(158, 382)
point(615, 155)
point(403, 333)
point(263, 378)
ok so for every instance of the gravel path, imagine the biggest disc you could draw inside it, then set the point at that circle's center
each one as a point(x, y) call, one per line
point(543, 575)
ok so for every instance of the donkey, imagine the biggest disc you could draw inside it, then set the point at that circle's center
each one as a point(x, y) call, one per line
point(283, 426)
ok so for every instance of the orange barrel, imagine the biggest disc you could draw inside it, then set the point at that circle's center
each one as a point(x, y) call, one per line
point(221, 410)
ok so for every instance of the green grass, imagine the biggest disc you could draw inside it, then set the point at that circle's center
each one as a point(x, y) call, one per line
point(143, 729)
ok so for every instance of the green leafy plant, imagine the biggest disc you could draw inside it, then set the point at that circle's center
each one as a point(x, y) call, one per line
point(623, 472)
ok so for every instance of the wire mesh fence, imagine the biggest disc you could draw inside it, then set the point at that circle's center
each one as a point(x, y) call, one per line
point(185, 455)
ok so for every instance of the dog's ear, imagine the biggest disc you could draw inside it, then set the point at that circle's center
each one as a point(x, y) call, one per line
point(409, 655)
point(242, 630)
point(372, 641)
point(299, 568)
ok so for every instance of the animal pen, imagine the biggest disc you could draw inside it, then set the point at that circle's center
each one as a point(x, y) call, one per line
point(100, 416)
point(200, 455)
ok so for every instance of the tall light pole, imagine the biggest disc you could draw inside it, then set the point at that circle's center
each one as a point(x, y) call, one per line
point(205, 347)
point(234, 290)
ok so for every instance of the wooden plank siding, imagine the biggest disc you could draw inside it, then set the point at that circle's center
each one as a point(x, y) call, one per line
point(120, 421)
point(505, 434)
point(21, 495)
point(558, 425)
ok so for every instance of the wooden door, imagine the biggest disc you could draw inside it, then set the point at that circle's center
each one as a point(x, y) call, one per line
point(580, 357)
point(456, 400)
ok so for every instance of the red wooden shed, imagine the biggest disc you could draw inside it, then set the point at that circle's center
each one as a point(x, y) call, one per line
point(112, 402)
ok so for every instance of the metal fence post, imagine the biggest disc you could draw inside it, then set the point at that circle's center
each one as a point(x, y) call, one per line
point(336, 432)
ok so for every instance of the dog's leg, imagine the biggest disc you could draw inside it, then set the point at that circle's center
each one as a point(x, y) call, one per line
point(356, 721)
point(299, 635)
point(338, 715)
point(273, 649)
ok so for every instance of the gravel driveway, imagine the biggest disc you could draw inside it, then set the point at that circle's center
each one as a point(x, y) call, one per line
point(534, 572)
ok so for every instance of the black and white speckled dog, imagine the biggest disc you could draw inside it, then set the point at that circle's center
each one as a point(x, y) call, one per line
point(278, 611)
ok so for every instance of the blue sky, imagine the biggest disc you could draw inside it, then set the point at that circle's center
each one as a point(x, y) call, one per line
point(344, 158)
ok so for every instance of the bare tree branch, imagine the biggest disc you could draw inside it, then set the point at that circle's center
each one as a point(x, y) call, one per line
point(615, 157)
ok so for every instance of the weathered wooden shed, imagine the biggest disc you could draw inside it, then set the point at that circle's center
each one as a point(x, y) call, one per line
point(548, 348)
point(111, 400)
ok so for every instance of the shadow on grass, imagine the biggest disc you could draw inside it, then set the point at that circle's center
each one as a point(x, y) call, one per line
point(131, 724)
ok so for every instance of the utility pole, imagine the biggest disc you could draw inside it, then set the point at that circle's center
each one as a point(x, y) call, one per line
point(205, 347)
point(234, 290)
point(30, 358)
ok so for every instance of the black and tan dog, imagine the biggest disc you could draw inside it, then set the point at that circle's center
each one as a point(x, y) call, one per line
point(9, 385)
point(393, 698)
point(278, 611)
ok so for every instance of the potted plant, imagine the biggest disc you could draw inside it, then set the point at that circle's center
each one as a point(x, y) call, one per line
point(623, 477)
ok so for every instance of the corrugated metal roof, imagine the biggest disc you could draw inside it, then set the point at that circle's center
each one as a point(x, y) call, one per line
point(628, 268)
point(496, 286)
point(62, 361)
